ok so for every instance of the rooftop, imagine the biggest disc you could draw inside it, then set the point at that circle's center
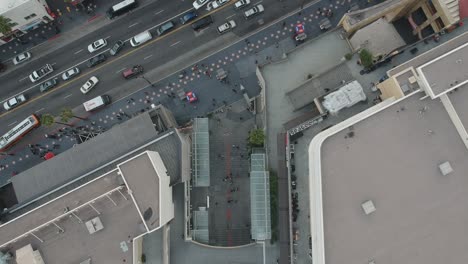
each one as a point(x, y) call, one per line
point(390, 155)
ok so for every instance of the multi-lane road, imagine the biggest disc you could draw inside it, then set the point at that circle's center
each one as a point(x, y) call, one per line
point(159, 52)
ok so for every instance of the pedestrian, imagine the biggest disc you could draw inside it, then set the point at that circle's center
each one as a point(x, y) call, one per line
point(284, 24)
point(234, 90)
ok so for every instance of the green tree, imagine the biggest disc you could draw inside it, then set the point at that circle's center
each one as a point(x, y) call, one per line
point(5, 27)
point(256, 138)
point(48, 120)
point(66, 114)
point(366, 58)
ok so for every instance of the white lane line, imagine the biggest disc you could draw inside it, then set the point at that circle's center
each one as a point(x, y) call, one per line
point(107, 37)
point(22, 79)
point(120, 70)
point(39, 110)
point(13, 123)
point(257, 3)
point(159, 12)
point(67, 96)
point(78, 51)
point(147, 57)
point(173, 44)
point(230, 16)
point(134, 24)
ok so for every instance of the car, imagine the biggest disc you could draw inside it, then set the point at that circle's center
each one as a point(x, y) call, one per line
point(299, 32)
point(254, 11)
point(20, 58)
point(219, 3)
point(199, 3)
point(97, 45)
point(96, 60)
point(2, 67)
point(14, 102)
point(116, 48)
point(202, 23)
point(188, 17)
point(45, 86)
point(70, 73)
point(191, 97)
point(241, 4)
point(226, 26)
point(87, 86)
point(166, 27)
point(132, 72)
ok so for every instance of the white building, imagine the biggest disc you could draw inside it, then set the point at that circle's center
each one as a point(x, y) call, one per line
point(23, 15)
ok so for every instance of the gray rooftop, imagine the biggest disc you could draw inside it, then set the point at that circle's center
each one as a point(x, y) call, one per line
point(83, 158)
point(260, 196)
point(392, 158)
point(331, 79)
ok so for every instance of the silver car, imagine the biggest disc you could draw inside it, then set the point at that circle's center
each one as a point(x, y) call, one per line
point(20, 58)
point(70, 73)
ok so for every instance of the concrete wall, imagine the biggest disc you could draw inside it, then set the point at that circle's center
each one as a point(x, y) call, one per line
point(166, 205)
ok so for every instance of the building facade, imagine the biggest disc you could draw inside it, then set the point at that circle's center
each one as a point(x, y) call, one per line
point(23, 16)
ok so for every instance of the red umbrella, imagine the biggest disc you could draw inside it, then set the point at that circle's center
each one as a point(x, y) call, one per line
point(49, 155)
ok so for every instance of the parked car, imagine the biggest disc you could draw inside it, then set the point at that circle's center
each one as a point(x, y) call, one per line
point(96, 60)
point(14, 102)
point(202, 23)
point(132, 72)
point(166, 27)
point(20, 58)
point(219, 3)
point(141, 38)
point(97, 45)
point(226, 26)
point(191, 97)
point(70, 73)
point(2, 67)
point(188, 17)
point(199, 3)
point(116, 48)
point(241, 4)
point(45, 86)
point(87, 86)
point(254, 11)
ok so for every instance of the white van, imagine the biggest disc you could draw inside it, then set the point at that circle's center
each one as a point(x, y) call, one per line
point(97, 103)
point(140, 38)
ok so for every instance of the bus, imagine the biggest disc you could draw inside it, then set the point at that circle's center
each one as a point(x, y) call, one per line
point(19, 131)
point(121, 8)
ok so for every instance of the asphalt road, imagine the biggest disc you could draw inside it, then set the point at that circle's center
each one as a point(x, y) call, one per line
point(158, 52)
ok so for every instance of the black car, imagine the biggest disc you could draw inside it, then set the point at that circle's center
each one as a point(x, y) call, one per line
point(96, 60)
point(48, 85)
point(2, 67)
point(116, 48)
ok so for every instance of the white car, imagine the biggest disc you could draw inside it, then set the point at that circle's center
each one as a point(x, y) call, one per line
point(21, 58)
point(199, 3)
point(226, 26)
point(14, 102)
point(241, 3)
point(70, 73)
point(254, 11)
point(219, 3)
point(89, 85)
point(97, 45)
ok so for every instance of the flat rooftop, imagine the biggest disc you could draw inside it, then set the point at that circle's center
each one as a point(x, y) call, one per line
point(392, 158)
point(60, 225)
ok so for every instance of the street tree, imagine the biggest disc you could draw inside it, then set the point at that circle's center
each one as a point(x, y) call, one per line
point(256, 138)
point(48, 120)
point(5, 27)
point(366, 58)
point(66, 114)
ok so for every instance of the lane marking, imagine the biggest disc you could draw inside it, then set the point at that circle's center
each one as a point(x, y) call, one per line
point(13, 123)
point(230, 16)
point(78, 51)
point(120, 70)
point(39, 110)
point(257, 3)
point(159, 12)
point(173, 44)
point(132, 25)
point(22, 79)
point(108, 37)
point(67, 96)
point(147, 57)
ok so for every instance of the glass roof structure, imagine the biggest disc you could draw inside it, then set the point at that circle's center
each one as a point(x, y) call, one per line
point(200, 153)
point(260, 196)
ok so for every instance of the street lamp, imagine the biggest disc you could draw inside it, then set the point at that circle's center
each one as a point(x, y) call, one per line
point(144, 78)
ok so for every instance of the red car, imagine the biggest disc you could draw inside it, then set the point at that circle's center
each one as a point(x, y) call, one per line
point(191, 97)
point(132, 72)
point(300, 34)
